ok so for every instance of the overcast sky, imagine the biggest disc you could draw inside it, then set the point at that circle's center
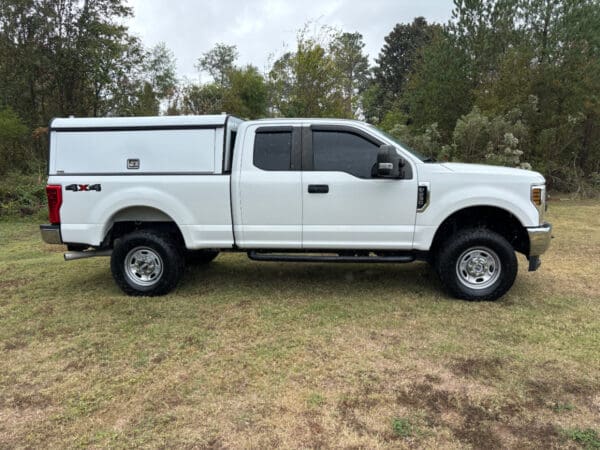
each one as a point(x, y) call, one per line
point(260, 28)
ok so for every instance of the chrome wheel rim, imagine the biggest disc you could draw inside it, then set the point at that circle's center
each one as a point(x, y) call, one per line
point(143, 266)
point(478, 267)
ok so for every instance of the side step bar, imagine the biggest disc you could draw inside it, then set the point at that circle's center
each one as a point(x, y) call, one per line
point(262, 256)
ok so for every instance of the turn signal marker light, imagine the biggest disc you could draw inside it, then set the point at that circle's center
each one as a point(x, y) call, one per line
point(536, 196)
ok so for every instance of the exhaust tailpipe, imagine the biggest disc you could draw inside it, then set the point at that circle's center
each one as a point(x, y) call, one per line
point(70, 256)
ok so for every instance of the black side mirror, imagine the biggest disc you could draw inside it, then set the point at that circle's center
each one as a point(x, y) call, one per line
point(389, 163)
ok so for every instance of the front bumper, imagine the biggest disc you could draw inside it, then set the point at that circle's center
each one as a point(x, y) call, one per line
point(51, 234)
point(539, 241)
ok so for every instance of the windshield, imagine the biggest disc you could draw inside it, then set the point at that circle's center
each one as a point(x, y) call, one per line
point(403, 145)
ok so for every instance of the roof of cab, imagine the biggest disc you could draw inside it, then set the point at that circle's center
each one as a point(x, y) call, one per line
point(142, 122)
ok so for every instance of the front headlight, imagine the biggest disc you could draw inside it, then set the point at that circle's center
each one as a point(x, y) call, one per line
point(538, 198)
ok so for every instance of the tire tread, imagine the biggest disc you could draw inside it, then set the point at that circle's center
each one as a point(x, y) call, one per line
point(171, 253)
point(453, 246)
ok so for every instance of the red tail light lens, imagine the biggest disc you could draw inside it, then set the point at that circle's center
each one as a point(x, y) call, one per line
point(54, 194)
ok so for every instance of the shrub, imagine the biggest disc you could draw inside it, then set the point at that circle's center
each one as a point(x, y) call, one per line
point(23, 195)
point(13, 142)
point(495, 140)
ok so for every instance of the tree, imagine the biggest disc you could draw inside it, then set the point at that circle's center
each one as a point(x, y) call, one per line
point(239, 91)
point(247, 94)
point(440, 90)
point(160, 68)
point(218, 62)
point(147, 104)
point(353, 65)
point(308, 82)
point(395, 63)
point(542, 57)
point(202, 99)
point(492, 140)
point(62, 58)
point(484, 30)
point(13, 136)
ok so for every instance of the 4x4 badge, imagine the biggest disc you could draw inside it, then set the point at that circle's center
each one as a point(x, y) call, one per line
point(83, 187)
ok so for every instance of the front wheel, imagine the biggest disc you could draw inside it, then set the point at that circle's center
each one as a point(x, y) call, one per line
point(147, 263)
point(477, 264)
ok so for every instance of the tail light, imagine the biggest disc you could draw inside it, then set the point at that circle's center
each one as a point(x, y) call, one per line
point(54, 194)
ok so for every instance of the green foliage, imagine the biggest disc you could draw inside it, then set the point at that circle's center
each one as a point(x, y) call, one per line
point(402, 427)
point(14, 152)
point(429, 143)
point(147, 104)
point(160, 70)
point(23, 195)
point(588, 438)
point(218, 62)
point(493, 140)
point(247, 95)
point(562, 407)
point(477, 137)
point(306, 83)
point(396, 61)
point(202, 99)
point(537, 59)
point(440, 90)
point(353, 65)
point(158, 80)
point(241, 91)
point(542, 58)
point(504, 81)
point(62, 58)
point(484, 30)
point(11, 127)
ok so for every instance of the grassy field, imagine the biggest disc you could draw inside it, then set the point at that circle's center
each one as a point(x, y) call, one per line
point(268, 355)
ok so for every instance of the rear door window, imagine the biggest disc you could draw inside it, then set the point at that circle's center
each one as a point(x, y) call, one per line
point(273, 150)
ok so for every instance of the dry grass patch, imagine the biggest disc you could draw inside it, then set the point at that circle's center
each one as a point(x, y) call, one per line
point(249, 355)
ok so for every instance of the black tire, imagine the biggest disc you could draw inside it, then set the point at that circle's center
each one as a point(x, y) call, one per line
point(159, 248)
point(464, 247)
point(200, 257)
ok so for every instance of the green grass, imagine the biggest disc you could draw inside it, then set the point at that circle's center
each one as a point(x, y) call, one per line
point(587, 438)
point(266, 355)
point(402, 427)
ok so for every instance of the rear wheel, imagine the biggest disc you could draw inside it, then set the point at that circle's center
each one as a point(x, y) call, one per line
point(147, 263)
point(477, 264)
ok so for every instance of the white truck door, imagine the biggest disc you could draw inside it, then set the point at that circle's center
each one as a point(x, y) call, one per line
point(268, 189)
point(344, 205)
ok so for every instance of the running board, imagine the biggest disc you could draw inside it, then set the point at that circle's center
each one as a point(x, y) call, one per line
point(261, 256)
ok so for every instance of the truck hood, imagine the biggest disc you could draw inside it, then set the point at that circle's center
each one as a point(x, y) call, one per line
point(484, 169)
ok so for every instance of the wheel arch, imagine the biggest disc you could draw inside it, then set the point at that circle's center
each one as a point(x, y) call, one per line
point(491, 217)
point(139, 217)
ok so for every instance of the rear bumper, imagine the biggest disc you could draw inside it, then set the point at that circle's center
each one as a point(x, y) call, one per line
point(51, 234)
point(539, 239)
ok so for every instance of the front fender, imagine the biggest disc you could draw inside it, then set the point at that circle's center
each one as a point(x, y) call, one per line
point(445, 202)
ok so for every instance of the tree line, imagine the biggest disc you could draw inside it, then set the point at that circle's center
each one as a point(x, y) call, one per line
point(513, 82)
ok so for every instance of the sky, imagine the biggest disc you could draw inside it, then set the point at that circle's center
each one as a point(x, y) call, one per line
point(261, 29)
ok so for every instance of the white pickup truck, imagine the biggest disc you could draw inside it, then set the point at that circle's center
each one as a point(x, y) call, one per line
point(155, 192)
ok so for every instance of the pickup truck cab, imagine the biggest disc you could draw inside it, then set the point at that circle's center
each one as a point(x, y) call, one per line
point(155, 192)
